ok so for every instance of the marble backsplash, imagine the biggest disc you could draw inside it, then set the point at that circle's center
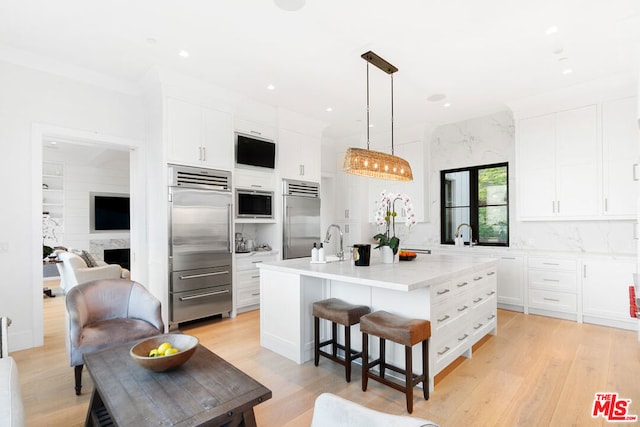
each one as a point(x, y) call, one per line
point(491, 139)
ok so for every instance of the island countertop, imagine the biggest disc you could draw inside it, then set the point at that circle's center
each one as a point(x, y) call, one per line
point(425, 270)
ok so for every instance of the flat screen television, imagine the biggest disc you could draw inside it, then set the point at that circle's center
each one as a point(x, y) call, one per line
point(109, 212)
point(255, 152)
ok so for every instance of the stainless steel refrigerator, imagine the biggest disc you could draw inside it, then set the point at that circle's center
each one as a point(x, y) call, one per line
point(301, 222)
point(200, 239)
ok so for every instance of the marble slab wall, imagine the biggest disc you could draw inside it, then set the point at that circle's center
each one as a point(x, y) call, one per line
point(491, 139)
point(97, 246)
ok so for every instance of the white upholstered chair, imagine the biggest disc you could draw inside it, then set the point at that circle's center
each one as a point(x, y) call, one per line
point(74, 270)
point(334, 411)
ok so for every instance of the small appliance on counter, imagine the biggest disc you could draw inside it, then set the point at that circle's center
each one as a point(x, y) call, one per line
point(361, 255)
point(242, 246)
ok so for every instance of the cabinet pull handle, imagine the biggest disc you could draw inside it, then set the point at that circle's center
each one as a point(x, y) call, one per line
point(584, 271)
point(508, 257)
point(550, 280)
point(256, 185)
point(551, 299)
point(635, 168)
point(462, 285)
point(442, 292)
point(301, 170)
point(478, 326)
point(196, 276)
point(255, 132)
point(606, 204)
point(256, 294)
point(255, 277)
point(256, 262)
point(208, 294)
point(553, 206)
point(550, 263)
point(491, 273)
point(558, 206)
point(475, 301)
point(440, 353)
point(464, 337)
point(491, 293)
point(463, 308)
point(446, 316)
point(493, 316)
point(477, 278)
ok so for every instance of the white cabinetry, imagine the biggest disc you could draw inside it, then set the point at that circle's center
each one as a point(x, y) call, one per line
point(299, 156)
point(463, 310)
point(620, 149)
point(247, 281)
point(510, 282)
point(53, 189)
point(257, 180)
point(558, 165)
point(605, 292)
point(252, 128)
point(198, 136)
point(552, 286)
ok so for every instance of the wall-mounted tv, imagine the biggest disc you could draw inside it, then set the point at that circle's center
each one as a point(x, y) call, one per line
point(256, 152)
point(109, 212)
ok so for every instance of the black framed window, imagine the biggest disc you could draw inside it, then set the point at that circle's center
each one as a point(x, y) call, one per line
point(477, 196)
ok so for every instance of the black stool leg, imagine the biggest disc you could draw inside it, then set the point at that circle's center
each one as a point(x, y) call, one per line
point(347, 352)
point(334, 338)
point(365, 360)
point(78, 375)
point(316, 337)
point(425, 369)
point(408, 356)
point(383, 357)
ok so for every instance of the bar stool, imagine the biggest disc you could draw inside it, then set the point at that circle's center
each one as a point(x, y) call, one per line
point(337, 311)
point(403, 331)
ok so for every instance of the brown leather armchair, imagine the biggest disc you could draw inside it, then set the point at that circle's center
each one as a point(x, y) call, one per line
point(103, 313)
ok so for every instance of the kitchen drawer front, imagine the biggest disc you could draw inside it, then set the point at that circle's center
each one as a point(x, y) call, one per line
point(200, 303)
point(188, 280)
point(485, 295)
point(450, 345)
point(251, 261)
point(441, 292)
point(553, 264)
point(248, 296)
point(451, 311)
point(248, 278)
point(551, 300)
point(553, 280)
point(483, 321)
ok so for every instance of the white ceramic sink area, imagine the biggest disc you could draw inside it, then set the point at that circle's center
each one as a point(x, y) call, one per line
point(328, 259)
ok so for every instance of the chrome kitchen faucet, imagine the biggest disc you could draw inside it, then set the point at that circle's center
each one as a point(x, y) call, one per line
point(340, 253)
point(470, 232)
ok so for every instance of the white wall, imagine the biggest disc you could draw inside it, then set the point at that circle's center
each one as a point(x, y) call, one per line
point(29, 99)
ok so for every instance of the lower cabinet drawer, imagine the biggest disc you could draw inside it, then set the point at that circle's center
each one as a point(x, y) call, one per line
point(248, 296)
point(450, 345)
point(552, 300)
point(196, 304)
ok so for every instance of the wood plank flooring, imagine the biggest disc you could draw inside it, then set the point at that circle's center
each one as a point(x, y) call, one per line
point(536, 371)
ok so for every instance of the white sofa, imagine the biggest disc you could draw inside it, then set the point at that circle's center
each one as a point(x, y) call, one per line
point(74, 270)
point(11, 408)
point(334, 411)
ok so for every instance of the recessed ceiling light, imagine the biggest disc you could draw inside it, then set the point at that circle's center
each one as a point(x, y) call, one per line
point(151, 40)
point(271, 87)
point(567, 71)
point(290, 5)
point(184, 54)
point(447, 104)
point(53, 142)
point(436, 97)
point(329, 109)
point(552, 30)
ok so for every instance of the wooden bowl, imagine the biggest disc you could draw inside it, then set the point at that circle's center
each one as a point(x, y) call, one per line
point(186, 345)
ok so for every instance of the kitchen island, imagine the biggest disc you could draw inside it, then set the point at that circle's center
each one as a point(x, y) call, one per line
point(456, 293)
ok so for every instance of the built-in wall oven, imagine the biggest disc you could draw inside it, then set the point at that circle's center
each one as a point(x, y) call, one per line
point(200, 244)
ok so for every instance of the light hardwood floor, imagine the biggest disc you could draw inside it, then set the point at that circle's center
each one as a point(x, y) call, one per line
point(536, 371)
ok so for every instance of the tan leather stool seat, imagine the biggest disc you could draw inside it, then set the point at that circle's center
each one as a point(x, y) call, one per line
point(337, 312)
point(406, 332)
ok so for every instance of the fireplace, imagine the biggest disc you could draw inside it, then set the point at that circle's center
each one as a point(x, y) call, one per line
point(117, 256)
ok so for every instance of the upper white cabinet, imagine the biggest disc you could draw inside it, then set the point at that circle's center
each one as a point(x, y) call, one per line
point(298, 155)
point(558, 165)
point(620, 149)
point(199, 136)
point(253, 128)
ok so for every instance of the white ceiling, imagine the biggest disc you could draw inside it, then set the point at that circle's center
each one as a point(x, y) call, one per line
point(480, 54)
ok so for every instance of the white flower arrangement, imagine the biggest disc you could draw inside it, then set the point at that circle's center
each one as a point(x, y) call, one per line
point(385, 217)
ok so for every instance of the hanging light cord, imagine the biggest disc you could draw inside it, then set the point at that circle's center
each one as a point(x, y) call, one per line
point(392, 114)
point(367, 105)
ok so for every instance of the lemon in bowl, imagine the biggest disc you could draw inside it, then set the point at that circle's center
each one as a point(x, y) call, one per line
point(164, 352)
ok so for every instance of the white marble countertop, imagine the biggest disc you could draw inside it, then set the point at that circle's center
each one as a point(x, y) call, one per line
point(425, 270)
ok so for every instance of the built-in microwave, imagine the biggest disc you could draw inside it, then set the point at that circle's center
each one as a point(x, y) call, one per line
point(254, 204)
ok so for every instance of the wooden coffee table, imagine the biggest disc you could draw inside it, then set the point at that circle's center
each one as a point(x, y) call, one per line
point(206, 390)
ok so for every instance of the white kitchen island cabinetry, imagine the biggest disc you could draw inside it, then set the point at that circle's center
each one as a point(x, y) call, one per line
point(198, 136)
point(456, 293)
point(558, 164)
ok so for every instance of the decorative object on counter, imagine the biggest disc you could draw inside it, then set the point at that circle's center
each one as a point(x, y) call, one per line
point(361, 255)
point(314, 252)
point(321, 255)
point(386, 217)
point(405, 255)
point(371, 163)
